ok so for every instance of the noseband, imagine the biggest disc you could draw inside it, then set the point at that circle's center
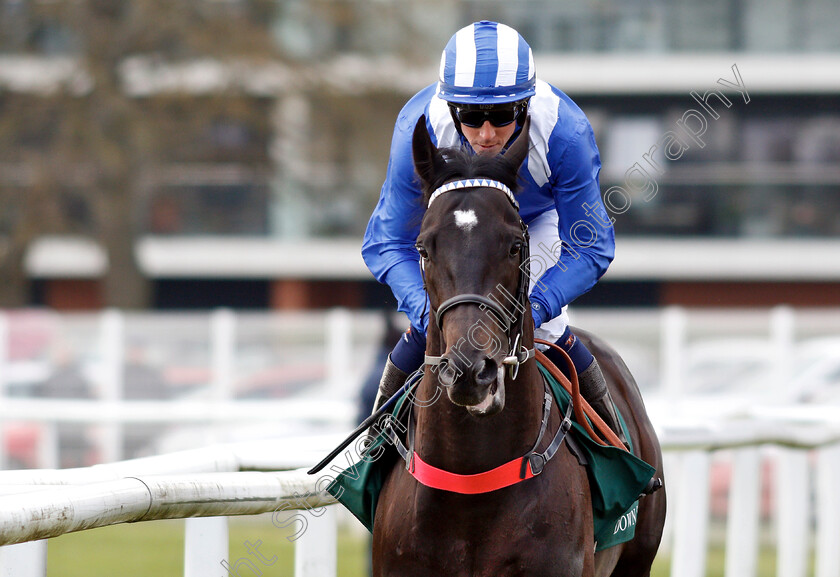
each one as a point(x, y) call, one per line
point(513, 323)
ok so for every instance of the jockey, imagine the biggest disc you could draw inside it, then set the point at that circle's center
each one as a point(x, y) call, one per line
point(486, 89)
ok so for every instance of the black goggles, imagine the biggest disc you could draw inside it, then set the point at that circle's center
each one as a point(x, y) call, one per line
point(476, 117)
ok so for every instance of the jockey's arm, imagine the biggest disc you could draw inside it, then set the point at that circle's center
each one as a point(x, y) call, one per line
point(388, 248)
point(404, 279)
point(583, 223)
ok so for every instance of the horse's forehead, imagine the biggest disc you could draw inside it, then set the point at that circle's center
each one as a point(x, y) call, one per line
point(480, 206)
point(466, 220)
point(470, 216)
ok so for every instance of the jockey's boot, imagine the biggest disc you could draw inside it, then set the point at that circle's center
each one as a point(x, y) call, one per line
point(593, 387)
point(392, 381)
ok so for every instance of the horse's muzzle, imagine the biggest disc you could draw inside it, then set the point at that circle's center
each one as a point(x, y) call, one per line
point(480, 387)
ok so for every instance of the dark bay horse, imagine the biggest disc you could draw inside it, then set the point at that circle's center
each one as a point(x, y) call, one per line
point(489, 404)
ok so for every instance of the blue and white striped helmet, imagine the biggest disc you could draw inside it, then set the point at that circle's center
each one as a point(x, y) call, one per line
point(487, 63)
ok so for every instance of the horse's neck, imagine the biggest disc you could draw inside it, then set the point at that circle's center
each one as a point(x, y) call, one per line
point(448, 436)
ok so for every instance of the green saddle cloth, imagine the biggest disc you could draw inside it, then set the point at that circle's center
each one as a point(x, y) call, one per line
point(616, 478)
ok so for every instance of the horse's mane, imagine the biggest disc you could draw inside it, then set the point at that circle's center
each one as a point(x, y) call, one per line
point(463, 165)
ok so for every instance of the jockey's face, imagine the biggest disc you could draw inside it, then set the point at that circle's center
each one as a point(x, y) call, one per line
point(488, 140)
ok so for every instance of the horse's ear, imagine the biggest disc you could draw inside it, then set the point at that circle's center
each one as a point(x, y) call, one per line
point(426, 156)
point(519, 149)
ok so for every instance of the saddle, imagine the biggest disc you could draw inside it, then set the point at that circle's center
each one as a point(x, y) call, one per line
point(617, 477)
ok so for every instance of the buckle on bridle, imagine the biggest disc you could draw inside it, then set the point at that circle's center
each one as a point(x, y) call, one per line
point(512, 360)
point(518, 355)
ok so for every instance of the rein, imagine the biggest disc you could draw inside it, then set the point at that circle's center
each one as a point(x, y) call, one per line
point(582, 408)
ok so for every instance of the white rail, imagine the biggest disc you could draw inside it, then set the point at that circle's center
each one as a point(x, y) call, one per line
point(325, 411)
point(118, 493)
point(42, 514)
point(204, 486)
point(237, 479)
point(273, 455)
point(806, 493)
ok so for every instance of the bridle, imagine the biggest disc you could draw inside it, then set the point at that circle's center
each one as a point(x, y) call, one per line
point(513, 323)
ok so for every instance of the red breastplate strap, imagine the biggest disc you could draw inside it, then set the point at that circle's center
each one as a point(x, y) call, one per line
point(498, 478)
point(525, 467)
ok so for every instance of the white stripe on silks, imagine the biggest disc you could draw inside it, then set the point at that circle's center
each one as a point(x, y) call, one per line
point(543, 112)
point(508, 51)
point(465, 56)
point(531, 70)
point(442, 124)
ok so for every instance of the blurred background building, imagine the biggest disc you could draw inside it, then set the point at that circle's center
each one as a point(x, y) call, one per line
point(180, 155)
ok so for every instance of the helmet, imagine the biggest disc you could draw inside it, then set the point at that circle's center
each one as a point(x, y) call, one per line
point(487, 63)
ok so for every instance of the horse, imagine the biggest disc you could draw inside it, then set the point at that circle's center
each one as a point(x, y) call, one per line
point(482, 403)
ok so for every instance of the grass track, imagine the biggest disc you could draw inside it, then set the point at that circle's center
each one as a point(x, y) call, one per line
point(156, 549)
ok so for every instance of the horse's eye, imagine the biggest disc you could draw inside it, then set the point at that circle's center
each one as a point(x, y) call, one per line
point(422, 250)
point(516, 248)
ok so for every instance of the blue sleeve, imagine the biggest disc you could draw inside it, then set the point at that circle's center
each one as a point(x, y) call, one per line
point(584, 225)
point(388, 247)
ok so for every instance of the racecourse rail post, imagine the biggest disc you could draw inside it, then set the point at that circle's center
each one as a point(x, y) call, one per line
point(691, 516)
point(24, 559)
point(4, 357)
point(672, 346)
point(206, 542)
point(112, 348)
point(744, 513)
point(828, 511)
point(339, 341)
point(223, 350)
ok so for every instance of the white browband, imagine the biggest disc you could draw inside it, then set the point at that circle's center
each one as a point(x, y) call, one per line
point(473, 183)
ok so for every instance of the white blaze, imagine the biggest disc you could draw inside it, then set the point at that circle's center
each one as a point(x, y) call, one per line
point(465, 219)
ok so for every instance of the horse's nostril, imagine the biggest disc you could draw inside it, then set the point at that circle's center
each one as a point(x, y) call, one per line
point(447, 373)
point(485, 372)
